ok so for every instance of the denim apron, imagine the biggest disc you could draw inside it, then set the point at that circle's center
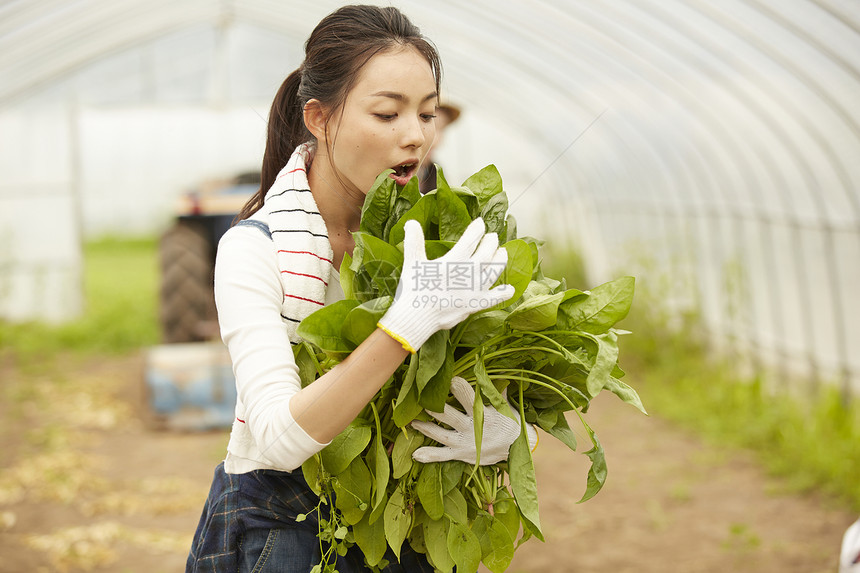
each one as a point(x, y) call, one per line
point(249, 525)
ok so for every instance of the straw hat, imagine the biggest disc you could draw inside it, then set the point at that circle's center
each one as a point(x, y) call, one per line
point(451, 110)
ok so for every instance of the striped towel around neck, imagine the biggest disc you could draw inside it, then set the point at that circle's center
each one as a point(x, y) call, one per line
point(301, 240)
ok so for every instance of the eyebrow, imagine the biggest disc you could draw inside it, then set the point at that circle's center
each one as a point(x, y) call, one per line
point(401, 97)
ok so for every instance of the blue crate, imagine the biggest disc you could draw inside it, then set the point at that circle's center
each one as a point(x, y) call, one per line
point(190, 386)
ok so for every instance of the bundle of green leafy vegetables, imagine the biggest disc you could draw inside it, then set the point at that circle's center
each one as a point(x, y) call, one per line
point(547, 352)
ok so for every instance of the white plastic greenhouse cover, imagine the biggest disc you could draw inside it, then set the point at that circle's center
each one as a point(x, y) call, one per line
point(708, 147)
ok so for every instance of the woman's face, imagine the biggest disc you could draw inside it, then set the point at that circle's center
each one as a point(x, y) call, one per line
point(387, 120)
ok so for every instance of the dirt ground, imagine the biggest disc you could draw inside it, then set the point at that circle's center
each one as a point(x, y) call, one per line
point(85, 486)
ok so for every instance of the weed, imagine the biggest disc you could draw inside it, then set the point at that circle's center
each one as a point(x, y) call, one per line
point(741, 539)
point(120, 284)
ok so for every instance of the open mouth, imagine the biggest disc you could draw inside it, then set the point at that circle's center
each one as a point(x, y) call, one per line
point(404, 172)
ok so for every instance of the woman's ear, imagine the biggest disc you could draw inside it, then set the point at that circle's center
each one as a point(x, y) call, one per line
point(315, 119)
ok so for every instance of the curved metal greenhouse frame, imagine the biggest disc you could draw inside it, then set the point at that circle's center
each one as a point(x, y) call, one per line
point(710, 148)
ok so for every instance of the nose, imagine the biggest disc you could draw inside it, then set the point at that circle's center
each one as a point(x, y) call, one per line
point(414, 133)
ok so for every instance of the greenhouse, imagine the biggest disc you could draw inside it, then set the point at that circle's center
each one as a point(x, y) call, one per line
point(709, 149)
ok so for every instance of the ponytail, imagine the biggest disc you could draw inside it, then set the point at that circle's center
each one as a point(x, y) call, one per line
point(286, 131)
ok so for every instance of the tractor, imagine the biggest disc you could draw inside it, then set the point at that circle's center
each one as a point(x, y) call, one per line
point(187, 257)
point(188, 378)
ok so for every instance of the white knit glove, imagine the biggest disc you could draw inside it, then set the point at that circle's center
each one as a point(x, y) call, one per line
point(438, 294)
point(499, 432)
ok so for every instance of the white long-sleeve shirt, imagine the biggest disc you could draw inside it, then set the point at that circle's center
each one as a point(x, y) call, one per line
point(249, 295)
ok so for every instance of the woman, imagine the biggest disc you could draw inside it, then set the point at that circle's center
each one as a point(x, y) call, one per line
point(362, 102)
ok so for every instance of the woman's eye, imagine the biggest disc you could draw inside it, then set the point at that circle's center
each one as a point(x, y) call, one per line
point(386, 116)
point(428, 117)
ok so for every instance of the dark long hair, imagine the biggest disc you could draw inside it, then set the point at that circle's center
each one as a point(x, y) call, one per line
point(341, 44)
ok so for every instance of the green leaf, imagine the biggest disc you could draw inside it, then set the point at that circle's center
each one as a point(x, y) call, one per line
point(306, 363)
point(405, 445)
point(424, 211)
point(546, 417)
point(431, 357)
point(397, 521)
point(436, 540)
point(377, 204)
point(494, 212)
point(478, 417)
point(361, 321)
point(453, 215)
point(503, 548)
point(377, 510)
point(482, 326)
point(322, 327)
point(441, 182)
point(598, 472)
point(347, 276)
point(470, 200)
point(488, 389)
point(518, 271)
point(534, 245)
point(379, 464)
point(505, 512)
point(455, 506)
point(536, 313)
point(409, 193)
point(605, 305)
point(406, 198)
point(311, 473)
point(464, 546)
point(607, 355)
point(572, 293)
point(485, 184)
point(352, 491)
point(562, 432)
point(523, 482)
point(452, 471)
point(497, 545)
point(510, 228)
point(345, 447)
point(415, 538)
point(429, 490)
point(537, 288)
point(435, 393)
point(436, 249)
point(363, 288)
point(625, 392)
point(370, 538)
point(407, 407)
point(382, 262)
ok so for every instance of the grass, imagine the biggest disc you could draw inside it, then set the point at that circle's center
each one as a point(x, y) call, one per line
point(120, 283)
point(813, 445)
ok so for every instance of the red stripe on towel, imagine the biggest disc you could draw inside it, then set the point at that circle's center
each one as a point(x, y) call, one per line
point(306, 275)
point(305, 299)
point(306, 253)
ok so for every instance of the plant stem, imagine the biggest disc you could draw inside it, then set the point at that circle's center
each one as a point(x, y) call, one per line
point(491, 342)
point(468, 360)
point(502, 371)
point(539, 383)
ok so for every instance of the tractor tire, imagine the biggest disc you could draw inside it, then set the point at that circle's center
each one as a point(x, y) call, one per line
point(187, 296)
